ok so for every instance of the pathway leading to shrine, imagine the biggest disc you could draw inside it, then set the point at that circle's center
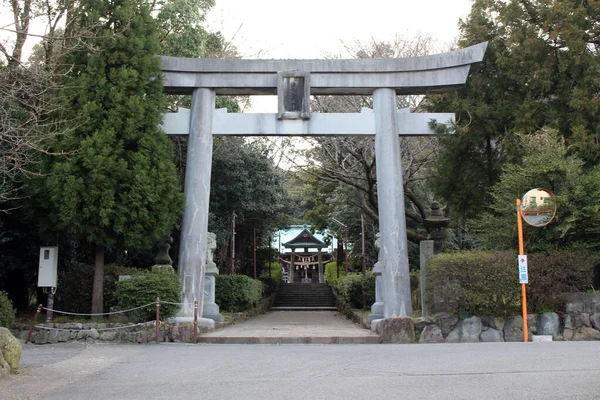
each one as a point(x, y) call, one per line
point(279, 327)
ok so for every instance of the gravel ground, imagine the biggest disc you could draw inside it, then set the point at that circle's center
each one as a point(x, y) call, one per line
point(35, 356)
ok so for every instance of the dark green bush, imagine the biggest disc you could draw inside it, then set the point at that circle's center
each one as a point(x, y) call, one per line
point(75, 289)
point(353, 288)
point(7, 312)
point(144, 289)
point(486, 283)
point(554, 274)
point(272, 282)
point(236, 293)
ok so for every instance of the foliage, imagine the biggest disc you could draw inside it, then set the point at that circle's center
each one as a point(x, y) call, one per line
point(244, 181)
point(144, 289)
point(235, 293)
point(7, 312)
point(74, 292)
point(24, 128)
point(180, 32)
point(486, 283)
point(357, 289)
point(273, 280)
point(540, 69)
point(331, 273)
point(118, 184)
point(547, 165)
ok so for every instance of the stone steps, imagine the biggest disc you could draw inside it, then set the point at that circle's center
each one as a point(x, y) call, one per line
point(304, 296)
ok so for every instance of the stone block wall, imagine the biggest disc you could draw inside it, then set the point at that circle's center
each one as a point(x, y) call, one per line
point(89, 332)
point(581, 321)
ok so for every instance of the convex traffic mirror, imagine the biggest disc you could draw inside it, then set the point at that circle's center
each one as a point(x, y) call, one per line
point(538, 207)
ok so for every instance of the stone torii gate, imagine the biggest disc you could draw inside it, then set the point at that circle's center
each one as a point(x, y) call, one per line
point(293, 81)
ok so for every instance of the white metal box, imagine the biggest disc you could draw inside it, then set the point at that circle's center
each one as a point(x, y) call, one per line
point(48, 267)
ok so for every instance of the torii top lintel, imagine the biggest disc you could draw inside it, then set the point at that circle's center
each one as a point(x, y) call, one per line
point(415, 75)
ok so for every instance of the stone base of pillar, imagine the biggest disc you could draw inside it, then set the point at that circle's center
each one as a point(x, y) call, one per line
point(202, 322)
point(211, 311)
point(376, 312)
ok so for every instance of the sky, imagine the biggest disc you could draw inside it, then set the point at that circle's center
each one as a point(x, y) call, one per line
point(310, 29)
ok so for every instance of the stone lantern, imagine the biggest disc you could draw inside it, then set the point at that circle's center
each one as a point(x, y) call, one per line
point(436, 224)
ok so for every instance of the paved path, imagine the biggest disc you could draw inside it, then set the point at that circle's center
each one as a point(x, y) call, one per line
point(277, 327)
point(544, 371)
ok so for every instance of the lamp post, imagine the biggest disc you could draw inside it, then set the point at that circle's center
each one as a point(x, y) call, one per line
point(437, 224)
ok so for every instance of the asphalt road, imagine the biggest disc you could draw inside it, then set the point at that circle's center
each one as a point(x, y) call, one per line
point(554, 370)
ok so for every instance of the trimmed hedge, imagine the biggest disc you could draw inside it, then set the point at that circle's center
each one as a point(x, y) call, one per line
point(75, 290)
point(7, 312)
point(235, 293)
point(486, 283)
point(144, 289)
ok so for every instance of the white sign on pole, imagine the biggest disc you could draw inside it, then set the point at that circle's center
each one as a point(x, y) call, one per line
point(523, 275)
point(48, 266)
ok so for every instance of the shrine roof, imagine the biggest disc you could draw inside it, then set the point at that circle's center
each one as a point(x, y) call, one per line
point(304, 239)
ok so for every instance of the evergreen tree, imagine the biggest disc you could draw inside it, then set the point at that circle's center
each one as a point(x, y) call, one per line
point(547, 165)
point(541, 69)
point(117, 185)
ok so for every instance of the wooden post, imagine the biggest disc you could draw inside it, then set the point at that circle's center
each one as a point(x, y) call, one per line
point(346, 248)
point(523, 287)
point(195, 321)
point(157, 319)
point(233, 244)
point(254, 235)
point(37, 313)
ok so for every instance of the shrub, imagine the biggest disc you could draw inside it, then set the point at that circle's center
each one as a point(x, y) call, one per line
point(486, 283)
point(353, 288)
point(271, 283)
point(236, 293)
point(7, 312)
point(75, 290)
point(331, 273)
point(144, 289)
point(554, 274)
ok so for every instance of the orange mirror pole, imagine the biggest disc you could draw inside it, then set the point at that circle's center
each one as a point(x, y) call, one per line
point(523, 288)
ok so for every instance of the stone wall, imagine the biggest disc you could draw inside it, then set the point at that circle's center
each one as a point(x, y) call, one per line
point(582, 318)
point(141, 333)
point(581, 321)
point(49, 333)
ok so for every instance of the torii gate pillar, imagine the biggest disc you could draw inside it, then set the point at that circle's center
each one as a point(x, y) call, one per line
point(194, 226)
point(397, 298)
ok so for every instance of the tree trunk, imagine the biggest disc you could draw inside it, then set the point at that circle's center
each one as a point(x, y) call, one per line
point(97, 291)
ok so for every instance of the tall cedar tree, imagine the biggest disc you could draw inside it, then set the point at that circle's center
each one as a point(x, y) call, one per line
point(541, 69)
point(118, 184)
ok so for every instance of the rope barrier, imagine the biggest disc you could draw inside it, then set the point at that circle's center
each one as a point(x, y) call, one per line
point(108, 313)
point(148, 323)
point(157, 323)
